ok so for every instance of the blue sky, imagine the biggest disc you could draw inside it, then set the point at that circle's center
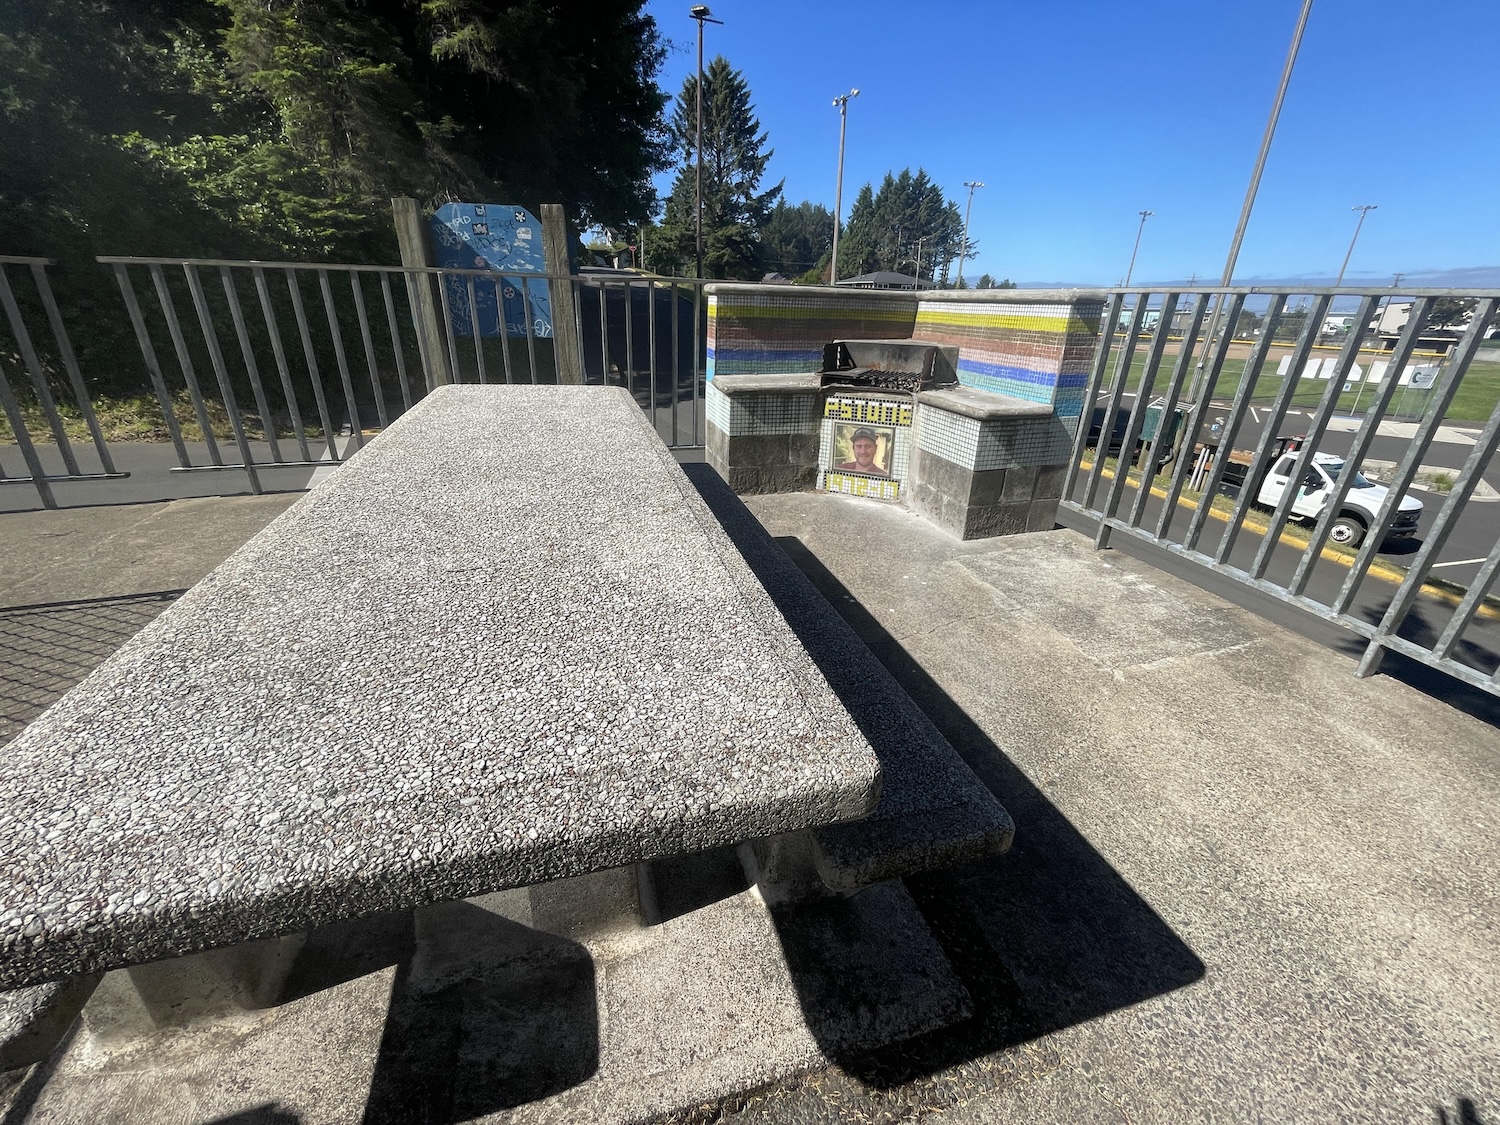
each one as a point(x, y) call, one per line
point(1078, 115)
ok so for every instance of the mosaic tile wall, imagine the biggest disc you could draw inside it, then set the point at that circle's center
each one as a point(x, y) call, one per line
point(1038, 352)
point(782, 329)
point(850, 409)
point(998, 443)
point(742, 415)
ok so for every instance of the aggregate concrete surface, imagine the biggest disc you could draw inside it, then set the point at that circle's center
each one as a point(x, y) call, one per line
point(444, 671)
point(1245, 885)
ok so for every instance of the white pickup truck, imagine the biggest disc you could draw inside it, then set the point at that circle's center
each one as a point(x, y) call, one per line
point(1361, 504)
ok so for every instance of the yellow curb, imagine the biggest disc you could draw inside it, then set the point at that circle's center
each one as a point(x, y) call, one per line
point(1379, 568)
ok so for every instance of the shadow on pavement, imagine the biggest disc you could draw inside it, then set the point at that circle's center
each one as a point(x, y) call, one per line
point(1045, 937)
point(45, 649)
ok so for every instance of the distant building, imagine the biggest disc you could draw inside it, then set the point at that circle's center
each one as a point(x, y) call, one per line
point(885, 279)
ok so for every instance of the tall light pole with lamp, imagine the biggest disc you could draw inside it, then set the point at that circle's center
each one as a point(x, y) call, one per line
point(700, 13)
point(1363, 209)
point(963, 246)
point(1130, 269)
point(842, 101)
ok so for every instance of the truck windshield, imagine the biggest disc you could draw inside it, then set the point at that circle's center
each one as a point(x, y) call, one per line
point(1334, 468)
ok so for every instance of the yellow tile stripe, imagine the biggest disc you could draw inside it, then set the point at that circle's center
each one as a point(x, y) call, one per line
point(1021, 322)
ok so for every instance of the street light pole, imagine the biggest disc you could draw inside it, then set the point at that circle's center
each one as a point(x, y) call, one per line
point(1363, 209)
point(964, 245)
point(842, 101)
point(1195, 394)
point(1130, 269)
point(700, 13)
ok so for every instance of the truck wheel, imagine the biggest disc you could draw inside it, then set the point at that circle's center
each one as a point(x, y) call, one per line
point(1347, 532)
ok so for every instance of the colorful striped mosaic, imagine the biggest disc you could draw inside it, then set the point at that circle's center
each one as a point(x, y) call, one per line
point(1026, 350)
point(768, 331)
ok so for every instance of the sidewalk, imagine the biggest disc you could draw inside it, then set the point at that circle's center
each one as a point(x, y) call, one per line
point(1245, 885)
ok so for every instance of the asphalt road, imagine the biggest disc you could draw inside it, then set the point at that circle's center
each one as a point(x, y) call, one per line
point(1476, 531)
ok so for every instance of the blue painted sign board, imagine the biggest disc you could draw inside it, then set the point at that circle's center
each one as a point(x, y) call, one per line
point(499, 237)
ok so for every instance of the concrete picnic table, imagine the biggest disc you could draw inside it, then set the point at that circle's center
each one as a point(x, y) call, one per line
point(504, 644)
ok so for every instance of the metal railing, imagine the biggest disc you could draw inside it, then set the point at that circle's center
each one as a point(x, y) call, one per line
point(42, 390)
point(353, 346)
point(1182, 507)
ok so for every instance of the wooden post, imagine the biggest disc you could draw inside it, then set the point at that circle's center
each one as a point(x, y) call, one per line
point(416, 253)
point(567, 350)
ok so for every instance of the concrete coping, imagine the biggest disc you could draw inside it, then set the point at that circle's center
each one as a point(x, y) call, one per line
point(767, 384)
point(983, 405)
point(504, 644)
point(908, 296)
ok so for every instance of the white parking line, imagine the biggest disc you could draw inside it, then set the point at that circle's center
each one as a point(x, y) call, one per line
point(1255, 414)
point(1457, 562)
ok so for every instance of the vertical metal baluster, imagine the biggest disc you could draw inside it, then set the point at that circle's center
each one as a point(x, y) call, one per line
point(699, 367)
point(38, 375)
point(1411, 461)
point(474, 328)
point(1169, 403)
point(1260, 463)
point(221, 371)
point(530, 330)
point(448, 326)
point(237, 317)
point(1117, 391)
point(1360, 447)
point(1479, 589)
point(627, 291)
point(279, 352)
point(1091, 392)
point(504, 328)
point(604, 328)
point(330, 433)
point(185, 362)
point(676, 364)
point(153, 366)
point(23, 439)
point(369, 343)
point(1237, 411)
point(356, 427)
point(1199, 412)
point(1313, 438)
point(396, 348)
point(70, 364)
point(651, 354)
point(1132, 433)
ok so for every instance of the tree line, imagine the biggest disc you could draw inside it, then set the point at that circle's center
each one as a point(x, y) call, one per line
point(906, 224)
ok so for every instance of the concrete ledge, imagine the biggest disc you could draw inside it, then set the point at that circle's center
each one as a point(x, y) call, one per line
point(982, 405)
point(767, 384)
point(933, 811)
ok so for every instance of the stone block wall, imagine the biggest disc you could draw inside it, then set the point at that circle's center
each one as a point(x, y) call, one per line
point(763, 431)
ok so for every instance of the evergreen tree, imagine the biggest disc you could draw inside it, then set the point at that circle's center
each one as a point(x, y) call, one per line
point(285, 126)
point(734, 161)
point(797, 240)
point(909, 215)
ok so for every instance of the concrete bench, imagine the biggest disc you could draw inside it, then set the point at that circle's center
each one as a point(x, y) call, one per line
point(933, 812)
point(505, 644)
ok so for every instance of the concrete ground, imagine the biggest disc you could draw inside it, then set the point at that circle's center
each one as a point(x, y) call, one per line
point(1245, 885)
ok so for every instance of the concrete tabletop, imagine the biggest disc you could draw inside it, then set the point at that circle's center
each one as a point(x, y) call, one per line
point(506, 643)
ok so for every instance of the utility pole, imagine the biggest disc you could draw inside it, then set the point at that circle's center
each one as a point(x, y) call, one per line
point(700, 13)
point(1363, 209)
point(964, 245)
point(1131, 268)
point(1195, 395)
point(842, 101)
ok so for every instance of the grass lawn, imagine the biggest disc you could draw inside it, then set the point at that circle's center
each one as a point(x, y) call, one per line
point(1474, 402)
point(139, 418)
